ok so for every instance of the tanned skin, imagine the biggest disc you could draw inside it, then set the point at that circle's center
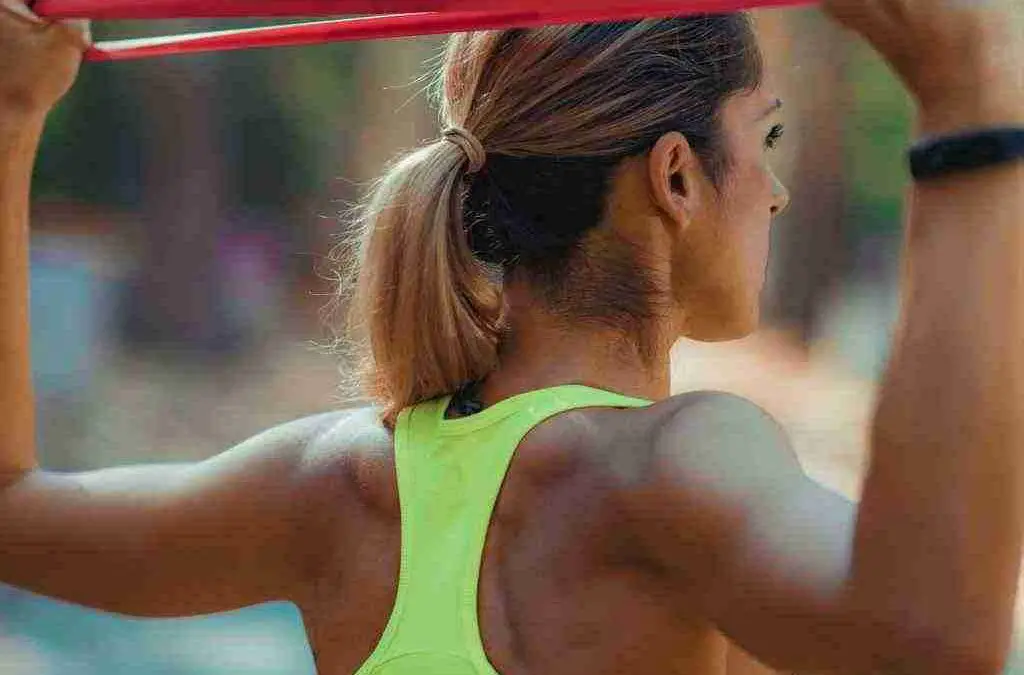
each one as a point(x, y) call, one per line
point(623, 541)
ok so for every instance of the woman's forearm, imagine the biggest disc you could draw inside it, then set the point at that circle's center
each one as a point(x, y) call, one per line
point(19, 140)
point(938, 539)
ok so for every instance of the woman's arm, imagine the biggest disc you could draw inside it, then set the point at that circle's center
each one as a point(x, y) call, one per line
point(921, 578)
point(241, 528)
point(244, 527)
point(19, 138)
point(39, 64)
point(249, 525)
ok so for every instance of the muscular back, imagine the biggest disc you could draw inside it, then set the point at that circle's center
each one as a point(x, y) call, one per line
point(562, 587)
point(621, 541)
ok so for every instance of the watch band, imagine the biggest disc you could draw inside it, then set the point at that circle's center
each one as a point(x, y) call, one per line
point(938, 156)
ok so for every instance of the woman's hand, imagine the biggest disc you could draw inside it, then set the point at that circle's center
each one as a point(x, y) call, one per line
point(951, 54)
point(39, 59)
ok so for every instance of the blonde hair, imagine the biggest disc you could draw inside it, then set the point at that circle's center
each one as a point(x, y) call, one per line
point(556, 109)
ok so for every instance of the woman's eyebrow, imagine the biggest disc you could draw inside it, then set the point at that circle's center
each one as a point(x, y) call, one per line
point(777, 105)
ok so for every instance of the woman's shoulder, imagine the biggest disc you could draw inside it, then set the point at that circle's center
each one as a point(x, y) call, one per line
point(353, 454)
point(637, 446)
point(352, 450)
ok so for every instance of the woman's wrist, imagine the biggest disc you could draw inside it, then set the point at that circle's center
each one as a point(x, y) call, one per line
point(984, 108)
point(19, 131)
point(984, 91)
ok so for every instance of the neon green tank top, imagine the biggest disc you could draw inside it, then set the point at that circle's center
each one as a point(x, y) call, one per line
point(449, 474)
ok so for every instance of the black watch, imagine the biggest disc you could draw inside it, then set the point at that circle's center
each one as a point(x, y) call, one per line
point(943, 155)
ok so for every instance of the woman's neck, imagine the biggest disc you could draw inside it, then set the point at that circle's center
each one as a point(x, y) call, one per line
point(542, 351)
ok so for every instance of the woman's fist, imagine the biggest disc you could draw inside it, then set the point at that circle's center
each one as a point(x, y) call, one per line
point(39, 59)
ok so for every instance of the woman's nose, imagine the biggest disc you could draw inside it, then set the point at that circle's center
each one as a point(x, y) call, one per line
point(780, 196)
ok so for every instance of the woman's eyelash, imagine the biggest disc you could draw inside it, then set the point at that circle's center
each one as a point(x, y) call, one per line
point(774, 136)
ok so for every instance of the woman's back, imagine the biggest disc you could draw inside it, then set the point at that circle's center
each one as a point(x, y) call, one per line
point(560, 588)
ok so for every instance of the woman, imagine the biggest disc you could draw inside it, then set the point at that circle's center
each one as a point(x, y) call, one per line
point(614, 181)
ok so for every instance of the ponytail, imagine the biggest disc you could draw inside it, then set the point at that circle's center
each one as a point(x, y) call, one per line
point(426, 313)
point(559, 108)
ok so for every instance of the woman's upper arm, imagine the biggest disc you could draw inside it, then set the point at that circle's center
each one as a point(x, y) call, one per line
point(243, 527)
point(747, 538)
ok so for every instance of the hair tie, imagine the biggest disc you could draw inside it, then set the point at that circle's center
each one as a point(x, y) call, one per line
point(470, 145)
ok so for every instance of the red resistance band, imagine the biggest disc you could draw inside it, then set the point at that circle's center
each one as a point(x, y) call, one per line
point(400, 18)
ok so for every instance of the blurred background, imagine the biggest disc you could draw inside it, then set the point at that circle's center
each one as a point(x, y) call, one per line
point(183, 212)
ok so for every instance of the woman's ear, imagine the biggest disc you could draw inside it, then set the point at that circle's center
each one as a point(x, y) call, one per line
point(677, 181)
